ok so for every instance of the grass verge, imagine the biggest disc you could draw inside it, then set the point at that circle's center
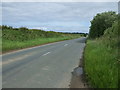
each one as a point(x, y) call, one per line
point(101, 64)
point(8, 45)
point(19, 38)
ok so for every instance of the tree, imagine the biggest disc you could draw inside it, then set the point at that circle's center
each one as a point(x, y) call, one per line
point(23, 28)
point(6, 27)
point(101, 22)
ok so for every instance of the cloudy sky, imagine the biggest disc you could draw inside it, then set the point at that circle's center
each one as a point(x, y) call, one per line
point(59, 16)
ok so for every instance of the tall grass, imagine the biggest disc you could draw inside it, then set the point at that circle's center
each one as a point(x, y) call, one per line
point(8, 45)
point(101, 65)
point(102, 60)
point(18, 38)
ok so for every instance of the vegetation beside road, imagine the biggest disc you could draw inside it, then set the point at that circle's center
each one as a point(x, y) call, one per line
point(101, 54)
point(18, 38)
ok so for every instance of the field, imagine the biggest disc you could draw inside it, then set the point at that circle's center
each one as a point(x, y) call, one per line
point(18, 38)
point(102, 60)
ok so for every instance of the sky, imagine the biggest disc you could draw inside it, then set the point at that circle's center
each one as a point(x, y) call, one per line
point(54, 16)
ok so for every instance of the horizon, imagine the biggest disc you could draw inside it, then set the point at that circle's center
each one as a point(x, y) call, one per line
point(41, 29)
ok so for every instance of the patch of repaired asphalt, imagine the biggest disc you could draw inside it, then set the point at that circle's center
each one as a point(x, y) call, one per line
point(78, 79)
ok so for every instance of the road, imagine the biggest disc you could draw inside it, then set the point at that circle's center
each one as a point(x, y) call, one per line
point(46, 66)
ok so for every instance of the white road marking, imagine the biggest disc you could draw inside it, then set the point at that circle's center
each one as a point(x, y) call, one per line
point(46, 53)
point(65, 44)
point(46, 68)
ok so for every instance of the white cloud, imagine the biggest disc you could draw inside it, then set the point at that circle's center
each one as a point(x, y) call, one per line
point(54, 16)
point(60, 0)
point(41, 28)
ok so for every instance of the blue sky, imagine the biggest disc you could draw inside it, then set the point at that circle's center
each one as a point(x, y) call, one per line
point(59, 16)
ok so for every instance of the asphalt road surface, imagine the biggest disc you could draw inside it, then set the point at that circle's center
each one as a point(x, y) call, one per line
point(46, 66)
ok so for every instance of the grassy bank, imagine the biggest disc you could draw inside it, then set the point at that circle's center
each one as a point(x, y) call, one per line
point(18, 38)
point(102, 60)
point(8, 45)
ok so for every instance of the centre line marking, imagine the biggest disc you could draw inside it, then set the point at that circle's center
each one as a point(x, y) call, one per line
point(46, 53)
point(65, 44)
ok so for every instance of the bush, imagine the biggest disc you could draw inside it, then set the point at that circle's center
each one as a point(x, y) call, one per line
point(101, 22)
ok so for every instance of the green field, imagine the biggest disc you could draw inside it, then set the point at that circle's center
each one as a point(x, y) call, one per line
point(18, 38)
point(102, 59)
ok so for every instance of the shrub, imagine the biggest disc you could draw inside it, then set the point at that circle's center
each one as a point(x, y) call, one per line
point(101, 22)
